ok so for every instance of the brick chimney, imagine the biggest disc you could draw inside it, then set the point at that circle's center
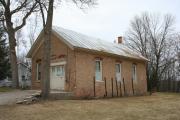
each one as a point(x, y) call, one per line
point(120, 38)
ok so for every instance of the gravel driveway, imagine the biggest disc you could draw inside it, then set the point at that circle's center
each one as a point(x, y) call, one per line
point(8, 98)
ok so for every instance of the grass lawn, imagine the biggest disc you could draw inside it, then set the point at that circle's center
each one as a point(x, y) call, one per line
point(6, 89)
point(159, 106)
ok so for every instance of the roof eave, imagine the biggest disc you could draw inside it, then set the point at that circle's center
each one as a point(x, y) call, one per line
point(29, 54)
point(107, 53)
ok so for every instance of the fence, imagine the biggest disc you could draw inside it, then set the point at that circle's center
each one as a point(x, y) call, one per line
point(169, 86)
point(115, 85)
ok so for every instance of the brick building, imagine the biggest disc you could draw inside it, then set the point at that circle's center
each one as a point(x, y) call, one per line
point(89, 66)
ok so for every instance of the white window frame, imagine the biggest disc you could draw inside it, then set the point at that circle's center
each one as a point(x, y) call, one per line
point(120, 72)
point(37, 71)
point(100, 70)
point(134, 72)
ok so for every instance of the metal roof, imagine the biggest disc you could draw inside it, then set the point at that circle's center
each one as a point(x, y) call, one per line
point(78, 40)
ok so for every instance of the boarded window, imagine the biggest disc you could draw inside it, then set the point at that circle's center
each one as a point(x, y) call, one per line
point(98, 71)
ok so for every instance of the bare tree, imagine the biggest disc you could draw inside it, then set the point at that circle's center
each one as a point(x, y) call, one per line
point(169, 73)
point(12, 8)
point(47, 29)
point(152, 36)
point(177, 49)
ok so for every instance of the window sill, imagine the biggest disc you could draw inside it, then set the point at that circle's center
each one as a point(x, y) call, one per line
point(37, 81)
point(100, 81)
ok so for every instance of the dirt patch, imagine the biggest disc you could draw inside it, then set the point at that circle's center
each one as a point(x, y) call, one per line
point(156, 107)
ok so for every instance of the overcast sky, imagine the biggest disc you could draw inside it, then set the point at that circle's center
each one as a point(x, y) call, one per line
point(111, 18)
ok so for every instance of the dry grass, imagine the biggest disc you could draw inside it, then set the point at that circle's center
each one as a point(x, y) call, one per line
point(6, 89)
point(160, 106)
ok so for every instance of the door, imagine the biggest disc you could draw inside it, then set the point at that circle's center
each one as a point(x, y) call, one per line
point(57, 80)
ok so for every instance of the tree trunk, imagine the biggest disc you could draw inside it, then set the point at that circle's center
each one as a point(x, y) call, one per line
point(14, 68)
point(12, 44)
point(47, 51)
point(13, 57)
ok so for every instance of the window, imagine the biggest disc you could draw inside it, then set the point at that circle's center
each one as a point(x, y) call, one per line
point(98, 71)
point(38, 69)
point(53, 69)
point(134, 76)
point(118, 71)
point(23, 78)
point(60, 71)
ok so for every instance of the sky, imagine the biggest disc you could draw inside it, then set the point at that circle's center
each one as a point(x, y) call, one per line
point(111, 18)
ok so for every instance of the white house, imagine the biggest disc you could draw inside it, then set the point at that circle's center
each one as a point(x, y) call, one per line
point(24, 74)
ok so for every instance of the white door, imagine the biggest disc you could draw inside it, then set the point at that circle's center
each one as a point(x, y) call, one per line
point(57, 80)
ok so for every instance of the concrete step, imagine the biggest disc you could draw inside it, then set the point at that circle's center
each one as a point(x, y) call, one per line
point(61, 95)
point(30, 99)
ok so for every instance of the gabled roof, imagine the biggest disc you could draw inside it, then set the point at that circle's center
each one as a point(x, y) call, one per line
point(77, 40)
point(23, 64)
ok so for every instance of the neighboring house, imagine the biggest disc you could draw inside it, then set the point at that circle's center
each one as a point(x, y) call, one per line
point(24, 75)
point(89, 66)
point(6, 83)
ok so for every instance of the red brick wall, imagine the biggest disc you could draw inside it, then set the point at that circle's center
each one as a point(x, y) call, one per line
point(59, 52)
point(85, 67)
point(80, 70)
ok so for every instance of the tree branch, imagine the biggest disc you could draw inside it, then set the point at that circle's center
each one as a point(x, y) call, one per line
point(8, 3)
point(3, 3)
point(25, 17)
point(19, 7)
point(42, 12)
